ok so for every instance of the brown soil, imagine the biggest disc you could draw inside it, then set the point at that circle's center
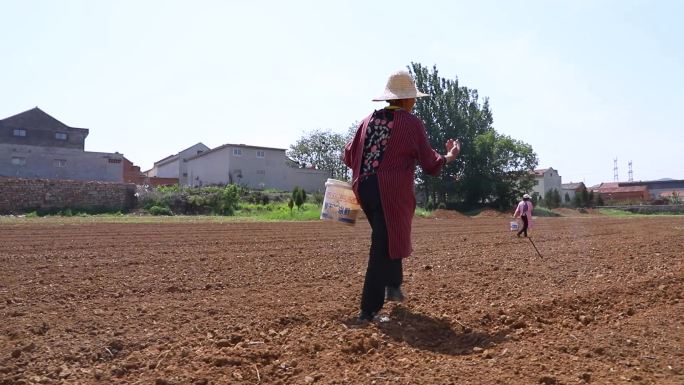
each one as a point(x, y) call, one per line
point(447, 214)
point(274, 303)
point(491, 213)
point(566, 212)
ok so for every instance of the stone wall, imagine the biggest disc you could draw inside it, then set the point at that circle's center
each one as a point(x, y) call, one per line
point(25, 195)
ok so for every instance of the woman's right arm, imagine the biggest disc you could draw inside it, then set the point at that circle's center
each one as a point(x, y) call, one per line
point(429, 159)
point(349, 148)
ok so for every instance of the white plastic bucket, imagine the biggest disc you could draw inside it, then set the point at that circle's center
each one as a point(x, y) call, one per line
point(339, 203)
point(514, 226)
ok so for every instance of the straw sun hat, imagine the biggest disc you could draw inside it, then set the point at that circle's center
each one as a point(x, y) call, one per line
point(400, 85)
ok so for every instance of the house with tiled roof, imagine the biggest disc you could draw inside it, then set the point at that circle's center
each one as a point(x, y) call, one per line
point(546, 179)
point(33, 144)
point(615, 192)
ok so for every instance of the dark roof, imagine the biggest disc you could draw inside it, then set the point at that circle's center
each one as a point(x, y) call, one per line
point(541, 171)
point(572, 186)
point(170, 157)
point(233, 145)
point(165, 159)
point(37, 119)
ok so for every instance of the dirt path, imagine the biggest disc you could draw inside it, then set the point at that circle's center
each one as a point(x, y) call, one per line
point(274, 303)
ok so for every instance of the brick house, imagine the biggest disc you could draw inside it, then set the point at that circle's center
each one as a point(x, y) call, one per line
point(614, 192)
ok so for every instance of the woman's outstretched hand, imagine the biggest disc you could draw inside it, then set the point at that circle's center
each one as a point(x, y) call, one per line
point(453, 147)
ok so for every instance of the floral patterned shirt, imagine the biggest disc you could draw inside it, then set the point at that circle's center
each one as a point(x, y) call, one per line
point(377, 135)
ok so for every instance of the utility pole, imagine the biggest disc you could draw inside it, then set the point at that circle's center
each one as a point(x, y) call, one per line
point(615, 170)
point(631, 174)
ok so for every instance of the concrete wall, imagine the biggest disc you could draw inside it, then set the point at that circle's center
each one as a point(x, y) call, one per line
point(310, 180)
point(212, 168)
point(26, 195)
point(75, 137)
point(59, 163)
point(183, 175)
point(166, 170)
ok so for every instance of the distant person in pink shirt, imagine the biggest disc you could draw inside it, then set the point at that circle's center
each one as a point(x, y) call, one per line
point(524, 211)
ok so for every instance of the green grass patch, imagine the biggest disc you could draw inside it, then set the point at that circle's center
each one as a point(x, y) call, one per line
point(617, 213)
point(544, 212)
point(422, 213)
point(473, 212)
point(278, 212)
point(625, 213)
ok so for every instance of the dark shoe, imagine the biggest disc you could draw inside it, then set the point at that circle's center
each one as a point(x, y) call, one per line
point(518, 235)
point(394, 294)
point(365, 316)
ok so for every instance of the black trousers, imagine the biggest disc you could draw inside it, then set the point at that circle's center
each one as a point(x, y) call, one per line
point(524, 228)
point(382, 271)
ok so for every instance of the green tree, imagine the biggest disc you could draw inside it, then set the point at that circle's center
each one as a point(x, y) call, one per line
point(567, 198)
point(552, 199)
point(492, 168)
point(556, 198)
point(298, 196)
point(322, 150)
point(675, 199)
point(577, 200)
point(599, 200)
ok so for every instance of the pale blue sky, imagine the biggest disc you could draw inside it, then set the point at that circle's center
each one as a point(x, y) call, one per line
point(582, 81)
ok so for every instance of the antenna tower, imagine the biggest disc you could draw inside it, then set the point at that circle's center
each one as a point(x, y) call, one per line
point(631, 174)
point(615, 173)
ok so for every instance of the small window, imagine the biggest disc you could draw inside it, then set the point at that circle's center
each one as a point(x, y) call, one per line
point(185, 175)
point(59, 162)
point(60, 136)
point(237, 152)
point(261, 172)
point(115, 161)
point(19, 132)
point(18, 161)
point(261, 153)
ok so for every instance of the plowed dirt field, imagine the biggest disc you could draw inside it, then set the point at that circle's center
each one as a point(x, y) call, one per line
point(275, 303)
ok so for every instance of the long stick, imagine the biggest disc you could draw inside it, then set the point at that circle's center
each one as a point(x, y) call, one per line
point(535, 248)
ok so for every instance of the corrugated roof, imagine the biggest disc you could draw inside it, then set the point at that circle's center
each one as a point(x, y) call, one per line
point(572, 186)
point(626, 189)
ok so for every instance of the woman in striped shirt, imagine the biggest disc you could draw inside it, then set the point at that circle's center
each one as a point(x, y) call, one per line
point(383, 156)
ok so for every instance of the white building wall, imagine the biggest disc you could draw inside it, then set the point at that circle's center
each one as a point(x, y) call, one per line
point(310, 180)
point(257, 168)
point(571, 194)
point(166, 170)
point(183, 175)
point(212, 168)
point(548, 181)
